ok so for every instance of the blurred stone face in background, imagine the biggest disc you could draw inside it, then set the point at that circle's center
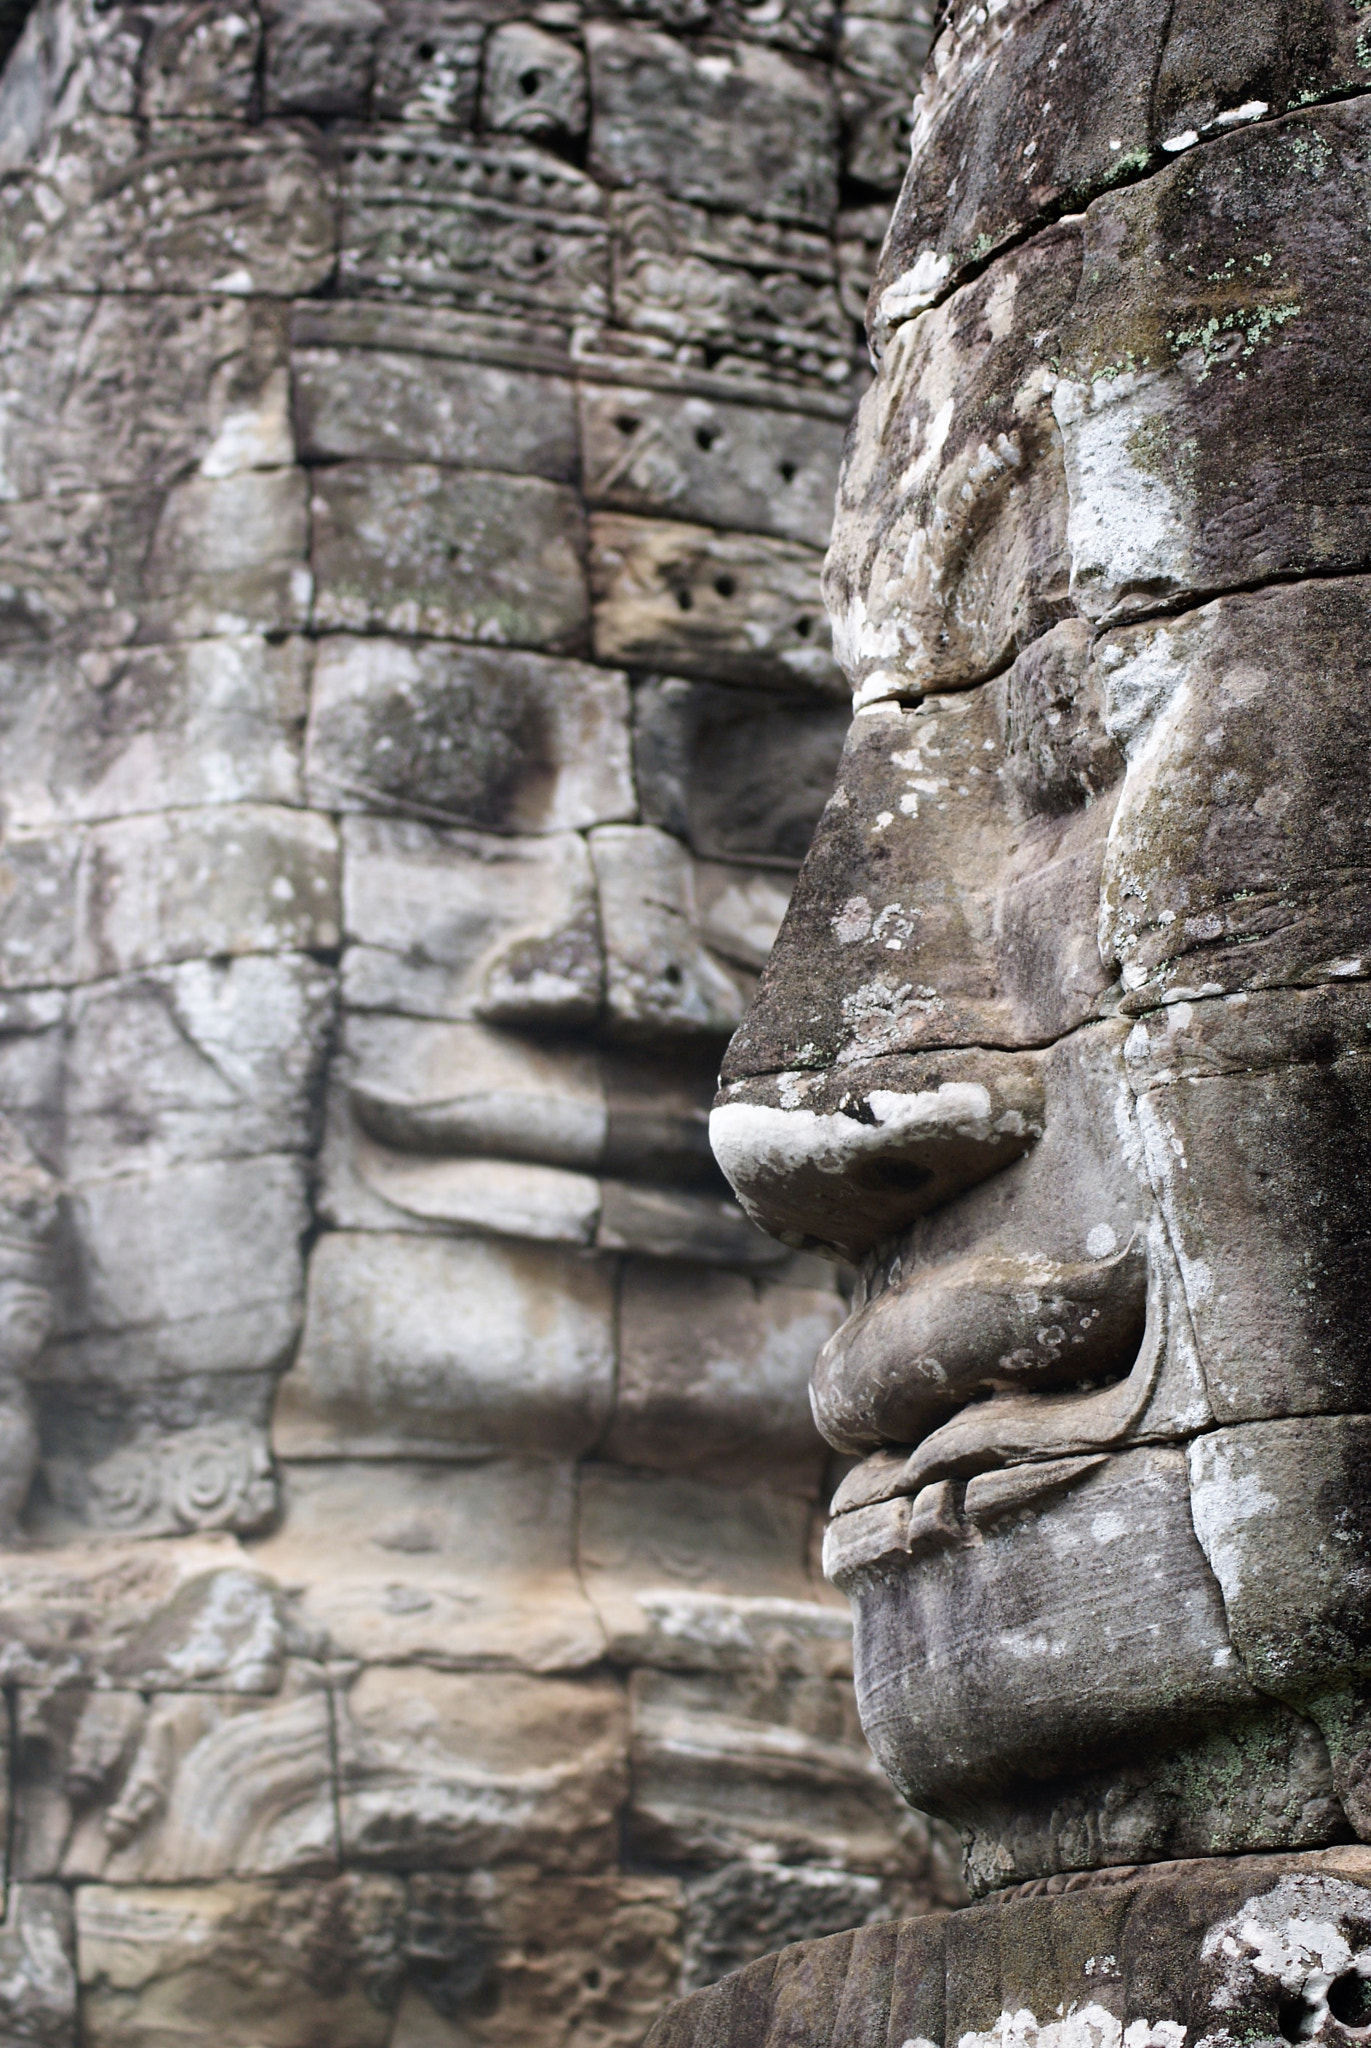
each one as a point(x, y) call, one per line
point(420, 438)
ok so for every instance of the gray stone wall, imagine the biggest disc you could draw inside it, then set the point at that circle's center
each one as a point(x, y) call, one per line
point(419, 439)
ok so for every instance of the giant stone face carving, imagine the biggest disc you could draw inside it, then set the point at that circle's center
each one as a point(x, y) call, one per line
point(1064, 1040)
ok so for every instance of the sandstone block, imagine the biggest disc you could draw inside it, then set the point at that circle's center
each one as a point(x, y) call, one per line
point(201, 63)
point(38, 884)
point(210, 557)
point(211, 1059)
point(374, 403)
point(1200, 875)
point(143, 1615)
point(496, 227)
point(971, 186)
point(743, 1910)
point(741, 910)
point(460, 925)
point(1295, 1601)
point(679, 1223)
point(733, 1765)
point(463, 1088)
point(38, 1967)
point(227, 555)
point(319, 55)
point(149, 1472)
point(114, 392)
point(178, 885)
point(368, 1186)
point(428, 67)
point(431, 1347)
point(1178, 1669)
point(408, 548)
point(692, 1576)
point(759, 292)
point(505, 741)
point(153, 728)
point(452, 1769)
point(517, 1954)
point(1038, 489)
point(658, 1114)
point(241, 1965)
point(534, 84)
point(737, 773)
point(189, 1241)
point(1271, 1159)
point(742, 126)
point(32, 1068)
point(436, 1564)
point(195, 207)
point(729, 607)
point(748, 466)
point(658, 976)
point(177, 1787)
point(714, 1375)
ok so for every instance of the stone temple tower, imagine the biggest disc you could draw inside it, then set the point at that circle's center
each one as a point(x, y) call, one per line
point(421, 422)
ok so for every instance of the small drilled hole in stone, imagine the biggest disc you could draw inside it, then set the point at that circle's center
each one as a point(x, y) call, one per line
point(803, 628)
point(705, 437)
point(427, 53)
point(685, 600)
point(529, 82)
point(725, 585)
point(788, 472)
point(1349, 1999)
point(626, 424)
point(1297, 2018)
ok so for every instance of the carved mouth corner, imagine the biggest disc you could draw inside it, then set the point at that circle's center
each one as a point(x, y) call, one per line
point(1003, 1431)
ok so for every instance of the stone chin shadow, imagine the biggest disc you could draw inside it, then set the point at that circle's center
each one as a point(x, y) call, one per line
point(1063, 1046)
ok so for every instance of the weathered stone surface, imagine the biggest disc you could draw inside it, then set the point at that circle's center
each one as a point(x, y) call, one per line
point(679, 1223)
point(436, 1564)
point(894, 941)
point(496, 227)
point(736, 773)
point(212, 1059)
point(407, 548)
point(1000, 141)
point(238, 210)
point(463, 925)
point(1227, 1946)
point(713, 1375)
point(1129, 322)
point(534, 83)
point(451, 1770)
point(319, 55)
point(426, 1347)
point(692, 1576)
point(428, 64)
point(505, 741)
point(729, 1765)
point(390, 389)
point(729, 607)
point(761, 470)
point(119, 391)
point(659, 978)
point(1208, 884)
point(742, 127)
point(37, 1966)
point(241, 1964)
point(175, 1788)
point(201, 63)
point(154, 728)
point(762, 294)
point(516, 1954)
point(216, 880)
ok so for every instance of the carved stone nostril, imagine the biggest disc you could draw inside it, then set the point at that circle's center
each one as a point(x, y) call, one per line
point(1349, 2000)
point(1298, 2017)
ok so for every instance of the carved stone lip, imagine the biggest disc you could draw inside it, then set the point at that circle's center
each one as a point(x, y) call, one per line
point(1012, 1428)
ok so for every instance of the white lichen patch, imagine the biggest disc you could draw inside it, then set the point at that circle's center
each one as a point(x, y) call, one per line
point(1087, 2026)
point(1128, 527)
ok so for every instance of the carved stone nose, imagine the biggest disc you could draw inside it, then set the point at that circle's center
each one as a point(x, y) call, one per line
point(838, 1161)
